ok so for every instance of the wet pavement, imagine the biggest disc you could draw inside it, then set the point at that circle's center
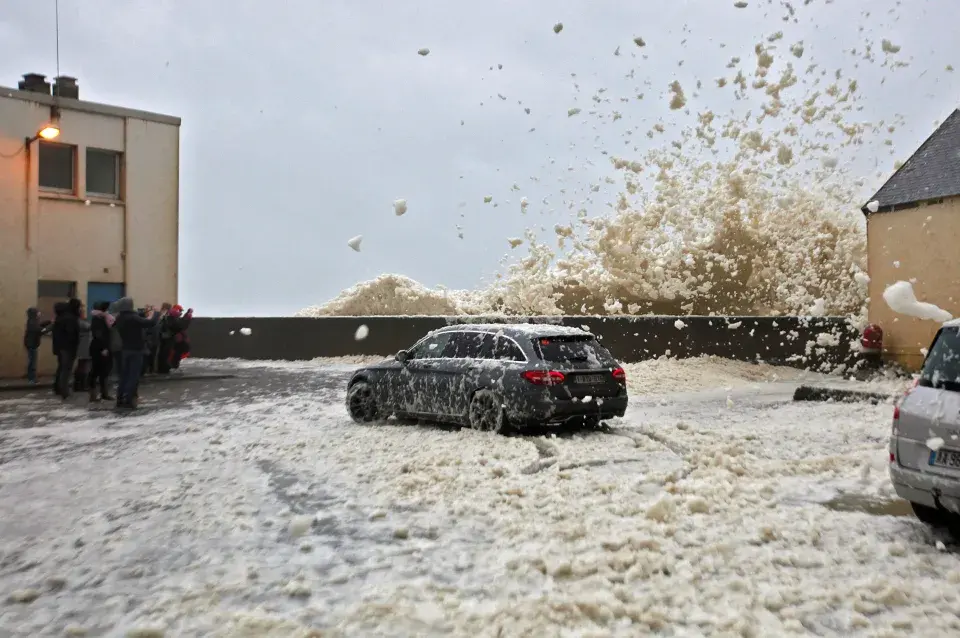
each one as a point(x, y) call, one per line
point(178, 518)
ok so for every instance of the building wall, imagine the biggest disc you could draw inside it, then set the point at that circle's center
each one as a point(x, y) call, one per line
point(924, 241)
point(80, 238)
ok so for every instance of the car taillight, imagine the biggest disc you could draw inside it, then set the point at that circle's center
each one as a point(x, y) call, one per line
point(543, 377)
point(619, 375)
point(896, 413)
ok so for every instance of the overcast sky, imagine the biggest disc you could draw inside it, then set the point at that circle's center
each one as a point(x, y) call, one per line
point(303, 121)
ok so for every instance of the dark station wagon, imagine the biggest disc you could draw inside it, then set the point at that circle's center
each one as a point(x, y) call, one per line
point(488, 376)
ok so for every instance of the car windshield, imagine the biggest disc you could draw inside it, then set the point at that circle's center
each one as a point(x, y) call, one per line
point(942, 366)
point(573, 349)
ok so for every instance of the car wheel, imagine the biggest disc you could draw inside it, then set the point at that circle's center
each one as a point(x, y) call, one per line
point(592, 423)
point(361, 403)
point(930, 515)
point(486, 412)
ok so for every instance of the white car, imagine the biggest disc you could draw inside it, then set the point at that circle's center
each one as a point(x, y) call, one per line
point(925, 445)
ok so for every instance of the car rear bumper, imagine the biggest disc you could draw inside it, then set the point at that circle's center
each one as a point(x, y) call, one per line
point(562, 410)
point(925, 488)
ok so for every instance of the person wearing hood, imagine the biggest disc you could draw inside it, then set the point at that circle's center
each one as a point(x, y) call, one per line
point(130, 326)
point(32, 334)
point(101, 359)
point(66, 340)
point(83, 353)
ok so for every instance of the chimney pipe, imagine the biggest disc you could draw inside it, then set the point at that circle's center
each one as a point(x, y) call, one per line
point(34, 83)
point(66, 86)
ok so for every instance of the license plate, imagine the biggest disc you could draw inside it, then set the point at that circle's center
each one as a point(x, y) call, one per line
point(591, 379)
point(945, 458)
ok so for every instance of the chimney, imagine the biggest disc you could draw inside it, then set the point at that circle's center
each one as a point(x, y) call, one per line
point(34, 83)
point(66, 86)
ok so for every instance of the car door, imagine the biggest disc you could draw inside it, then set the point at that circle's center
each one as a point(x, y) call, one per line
point(418, 378)
point(928, 427)
point(460, 372)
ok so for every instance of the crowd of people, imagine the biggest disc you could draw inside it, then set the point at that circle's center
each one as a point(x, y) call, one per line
point(115, 341)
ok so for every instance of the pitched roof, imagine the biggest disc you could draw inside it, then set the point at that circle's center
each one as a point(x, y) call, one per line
point(932, 172)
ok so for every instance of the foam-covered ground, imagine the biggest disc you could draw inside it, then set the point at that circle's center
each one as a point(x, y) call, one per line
point(700, 513)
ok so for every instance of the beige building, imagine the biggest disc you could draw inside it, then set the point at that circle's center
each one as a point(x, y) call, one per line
point(914, 235)
point(91, 212)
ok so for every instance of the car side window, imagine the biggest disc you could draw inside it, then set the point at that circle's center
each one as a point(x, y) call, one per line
point(431, 347)
point(464, 345)
point(507, 350)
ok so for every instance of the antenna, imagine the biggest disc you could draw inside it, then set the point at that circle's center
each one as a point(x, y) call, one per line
point(56, 6)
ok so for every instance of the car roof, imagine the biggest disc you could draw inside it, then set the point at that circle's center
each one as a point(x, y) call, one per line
point(520, 330)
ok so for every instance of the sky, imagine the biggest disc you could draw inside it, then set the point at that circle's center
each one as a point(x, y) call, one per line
point(304, 121)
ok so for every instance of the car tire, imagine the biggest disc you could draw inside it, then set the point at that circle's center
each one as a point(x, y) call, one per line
point(485, 413)
point(930, 515)
point(361, 403)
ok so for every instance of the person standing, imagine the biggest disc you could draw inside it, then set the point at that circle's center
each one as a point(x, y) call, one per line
point(101, 360)
point(130, 326)
point(153, 339)
point(83, 353)
point(32, 335)
point(116, 346)
point(66, 340)
point(181, 341)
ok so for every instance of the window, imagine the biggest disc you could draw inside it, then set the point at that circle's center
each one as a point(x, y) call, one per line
point(569, 349)
point(50, 293)
point(57, 166)
point(468, 345)
point(507, 350)
point(103, 173)
point(942, 368)
point(431, 347)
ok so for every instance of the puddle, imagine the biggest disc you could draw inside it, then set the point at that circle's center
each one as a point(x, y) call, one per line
point(869, 505)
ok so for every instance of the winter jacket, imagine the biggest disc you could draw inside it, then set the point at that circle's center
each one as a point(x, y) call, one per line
point(116, 345)
point(130, 326)
point(83, 349)
point(34, 329)
point(66, 328)
point(99, 333)
point(172, 326)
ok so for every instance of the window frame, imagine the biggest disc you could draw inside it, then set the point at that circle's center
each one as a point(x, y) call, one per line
point(46, 302)
point(483, 341)
point(509, 343)
point(117, 173)
point(42, 144)
point(422, 345)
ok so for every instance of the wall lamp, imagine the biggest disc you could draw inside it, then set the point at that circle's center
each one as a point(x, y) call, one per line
point(49, 131)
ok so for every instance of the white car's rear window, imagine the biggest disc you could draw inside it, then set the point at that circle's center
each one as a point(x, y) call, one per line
point(942, 366)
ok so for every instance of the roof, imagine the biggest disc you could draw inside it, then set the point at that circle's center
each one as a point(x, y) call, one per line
point(931, 173)
point(87, 107)
point(519, 329)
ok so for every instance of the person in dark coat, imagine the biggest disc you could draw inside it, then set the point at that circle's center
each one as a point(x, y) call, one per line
point(174, 344)
point(83, 354)
point(116, 347)
point(66, 340)
point(101, 359)
point(130, 326)
point(32, 335)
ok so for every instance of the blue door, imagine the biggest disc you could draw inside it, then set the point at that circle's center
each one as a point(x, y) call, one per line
point(97, 292)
